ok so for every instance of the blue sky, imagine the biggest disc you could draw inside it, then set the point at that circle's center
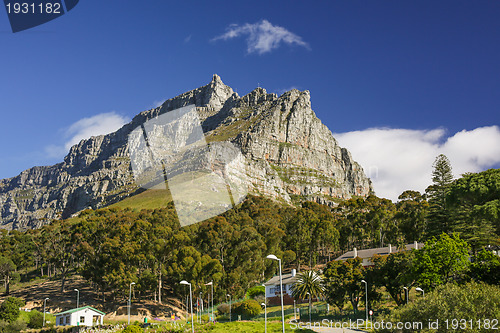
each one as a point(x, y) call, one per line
point(397, 81)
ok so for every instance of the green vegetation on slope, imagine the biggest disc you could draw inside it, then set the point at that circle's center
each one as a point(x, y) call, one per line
point(149, 199)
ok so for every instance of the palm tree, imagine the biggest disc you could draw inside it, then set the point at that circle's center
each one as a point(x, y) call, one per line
point(308, 282)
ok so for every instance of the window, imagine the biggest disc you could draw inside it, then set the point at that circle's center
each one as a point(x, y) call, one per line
point(82, 319)
point(67, 319)
point(61, 321)
point(276, 289)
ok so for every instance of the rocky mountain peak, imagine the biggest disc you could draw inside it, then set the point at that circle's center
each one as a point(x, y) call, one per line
point(290, 156)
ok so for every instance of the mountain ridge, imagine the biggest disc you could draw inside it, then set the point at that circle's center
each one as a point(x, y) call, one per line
point(291, 156)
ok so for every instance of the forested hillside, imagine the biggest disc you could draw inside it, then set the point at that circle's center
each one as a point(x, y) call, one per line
point(112, 247)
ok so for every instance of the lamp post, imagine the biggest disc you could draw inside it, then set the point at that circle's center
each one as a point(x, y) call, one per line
point(265, 317)
point(129, 300)
point(294, 310)
point(420, 289)
point(366, 300)
point(407, 294)
point(229, 306)
point(77, 298)
point(191, 299)
point(309, 299)
point(211, 283)
point(44, 302)
point(273, 257)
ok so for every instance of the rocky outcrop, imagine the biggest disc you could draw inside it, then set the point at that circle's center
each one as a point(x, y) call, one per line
point(290, 154)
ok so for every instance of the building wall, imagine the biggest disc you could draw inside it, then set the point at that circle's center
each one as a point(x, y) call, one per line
point(74, 318)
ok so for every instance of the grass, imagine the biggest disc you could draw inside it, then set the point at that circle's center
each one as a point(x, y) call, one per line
point(149, 199)
point(25, 284)
point(246, 327)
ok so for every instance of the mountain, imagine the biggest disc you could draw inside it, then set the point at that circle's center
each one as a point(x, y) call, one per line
point(289, 155)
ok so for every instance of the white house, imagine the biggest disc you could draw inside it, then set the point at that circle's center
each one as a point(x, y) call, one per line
point(366, 255)
point(273, 288)
point(84, 316)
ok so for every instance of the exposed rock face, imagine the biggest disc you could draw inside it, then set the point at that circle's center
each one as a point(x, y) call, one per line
point(291, 156)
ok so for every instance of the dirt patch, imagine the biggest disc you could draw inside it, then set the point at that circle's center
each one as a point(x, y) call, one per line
point(61, 301)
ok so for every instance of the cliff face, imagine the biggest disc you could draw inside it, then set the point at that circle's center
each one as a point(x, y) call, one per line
point(290, 156)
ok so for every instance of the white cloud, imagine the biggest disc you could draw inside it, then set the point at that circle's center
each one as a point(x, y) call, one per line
point(401, 159)
point(100, 124)
point(262, 36)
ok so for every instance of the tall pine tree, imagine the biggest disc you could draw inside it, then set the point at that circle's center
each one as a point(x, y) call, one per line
point(438, 219)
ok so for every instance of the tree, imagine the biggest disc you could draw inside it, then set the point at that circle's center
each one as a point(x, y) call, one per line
point(9, 309)
point(453, 304)
point(485, 267)
point(256, 291)
point(442, 177)
point(412, 209)
point(440, 261)
point(343, 280)
point(308, 282)
point(474, 201)
point(300, 234)
point(394, 272)
point(7, 268)
point(366, 223)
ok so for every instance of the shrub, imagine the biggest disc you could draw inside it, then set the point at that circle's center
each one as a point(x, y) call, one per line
point(13, 327)
point(249, 308)
point(9, 309)
point(474, 302)
point(256, 291)
point(132, 329)
point(36, 319)
point(223, 309)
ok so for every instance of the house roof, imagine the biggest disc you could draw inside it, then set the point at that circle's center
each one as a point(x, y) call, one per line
point(78, 309)
point(286, 279)
point(368, 253)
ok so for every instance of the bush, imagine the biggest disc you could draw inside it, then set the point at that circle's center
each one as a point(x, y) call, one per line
point(223, 309)
point(36, 319)
point(132, 329)
point(249, 308)
point(475, 302)
point(256, 291)
point(9, 309)
point(12, 327)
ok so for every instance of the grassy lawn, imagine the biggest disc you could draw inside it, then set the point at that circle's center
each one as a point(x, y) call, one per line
point(245, 327)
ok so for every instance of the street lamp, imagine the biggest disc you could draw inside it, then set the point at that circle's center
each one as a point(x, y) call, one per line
point(229, 306)
point(294, 310)
point(407, 294)
point(77, 298)
point(309, 298)
point(129, 300)
point(44, 301)
point(191, 298)
point(366, 301)
point(420, 289)
point(211, 283)
point(273, 257)
point(265, 317)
